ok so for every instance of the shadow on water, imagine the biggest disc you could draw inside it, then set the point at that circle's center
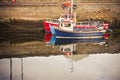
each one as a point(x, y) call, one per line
point(115, 26)
point(21, 31)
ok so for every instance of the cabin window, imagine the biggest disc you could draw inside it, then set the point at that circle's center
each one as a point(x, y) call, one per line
point(67, 24)
point(84, 24)
point(68, 16)
point(65, 16)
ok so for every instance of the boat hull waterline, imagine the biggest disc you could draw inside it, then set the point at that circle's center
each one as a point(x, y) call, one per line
point(78, 35)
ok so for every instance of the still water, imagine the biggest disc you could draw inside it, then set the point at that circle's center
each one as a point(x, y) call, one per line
point(61, 67)
point(70, 64)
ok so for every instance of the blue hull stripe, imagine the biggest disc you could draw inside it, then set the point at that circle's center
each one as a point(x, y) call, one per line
point(74, 34)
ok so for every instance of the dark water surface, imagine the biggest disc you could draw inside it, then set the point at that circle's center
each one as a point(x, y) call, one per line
point(28, 37)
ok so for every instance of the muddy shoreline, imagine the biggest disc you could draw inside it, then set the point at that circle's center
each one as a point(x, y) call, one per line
point(84, 11)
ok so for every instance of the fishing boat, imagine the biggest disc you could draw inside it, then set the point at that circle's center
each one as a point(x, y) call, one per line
point(67, 22)
point(69, 28)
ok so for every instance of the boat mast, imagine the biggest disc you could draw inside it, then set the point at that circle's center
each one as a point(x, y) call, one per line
point(71, 8)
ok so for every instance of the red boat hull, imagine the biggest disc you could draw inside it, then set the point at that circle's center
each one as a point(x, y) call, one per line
point(47, 27)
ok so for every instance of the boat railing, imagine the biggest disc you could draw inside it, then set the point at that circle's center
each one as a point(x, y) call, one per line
point(90, 23)
point(52, 20)
point(68, 16)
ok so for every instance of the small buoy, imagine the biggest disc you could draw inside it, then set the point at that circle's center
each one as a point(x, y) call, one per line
point(68, 4)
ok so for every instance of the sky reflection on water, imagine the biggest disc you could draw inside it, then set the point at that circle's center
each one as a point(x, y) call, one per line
point(89, 67)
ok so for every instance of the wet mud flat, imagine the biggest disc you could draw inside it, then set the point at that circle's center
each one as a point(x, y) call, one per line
point(20, 38)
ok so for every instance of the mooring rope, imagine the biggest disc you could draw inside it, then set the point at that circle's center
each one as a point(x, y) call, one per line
point(19, 27)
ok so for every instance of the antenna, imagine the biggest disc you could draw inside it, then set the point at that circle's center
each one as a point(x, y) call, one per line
point(71, 6)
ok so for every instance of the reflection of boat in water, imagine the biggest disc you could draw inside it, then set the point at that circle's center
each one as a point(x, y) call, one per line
point(47, 37)
point(68, 49)
point(70, 52)
point(60, 41)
